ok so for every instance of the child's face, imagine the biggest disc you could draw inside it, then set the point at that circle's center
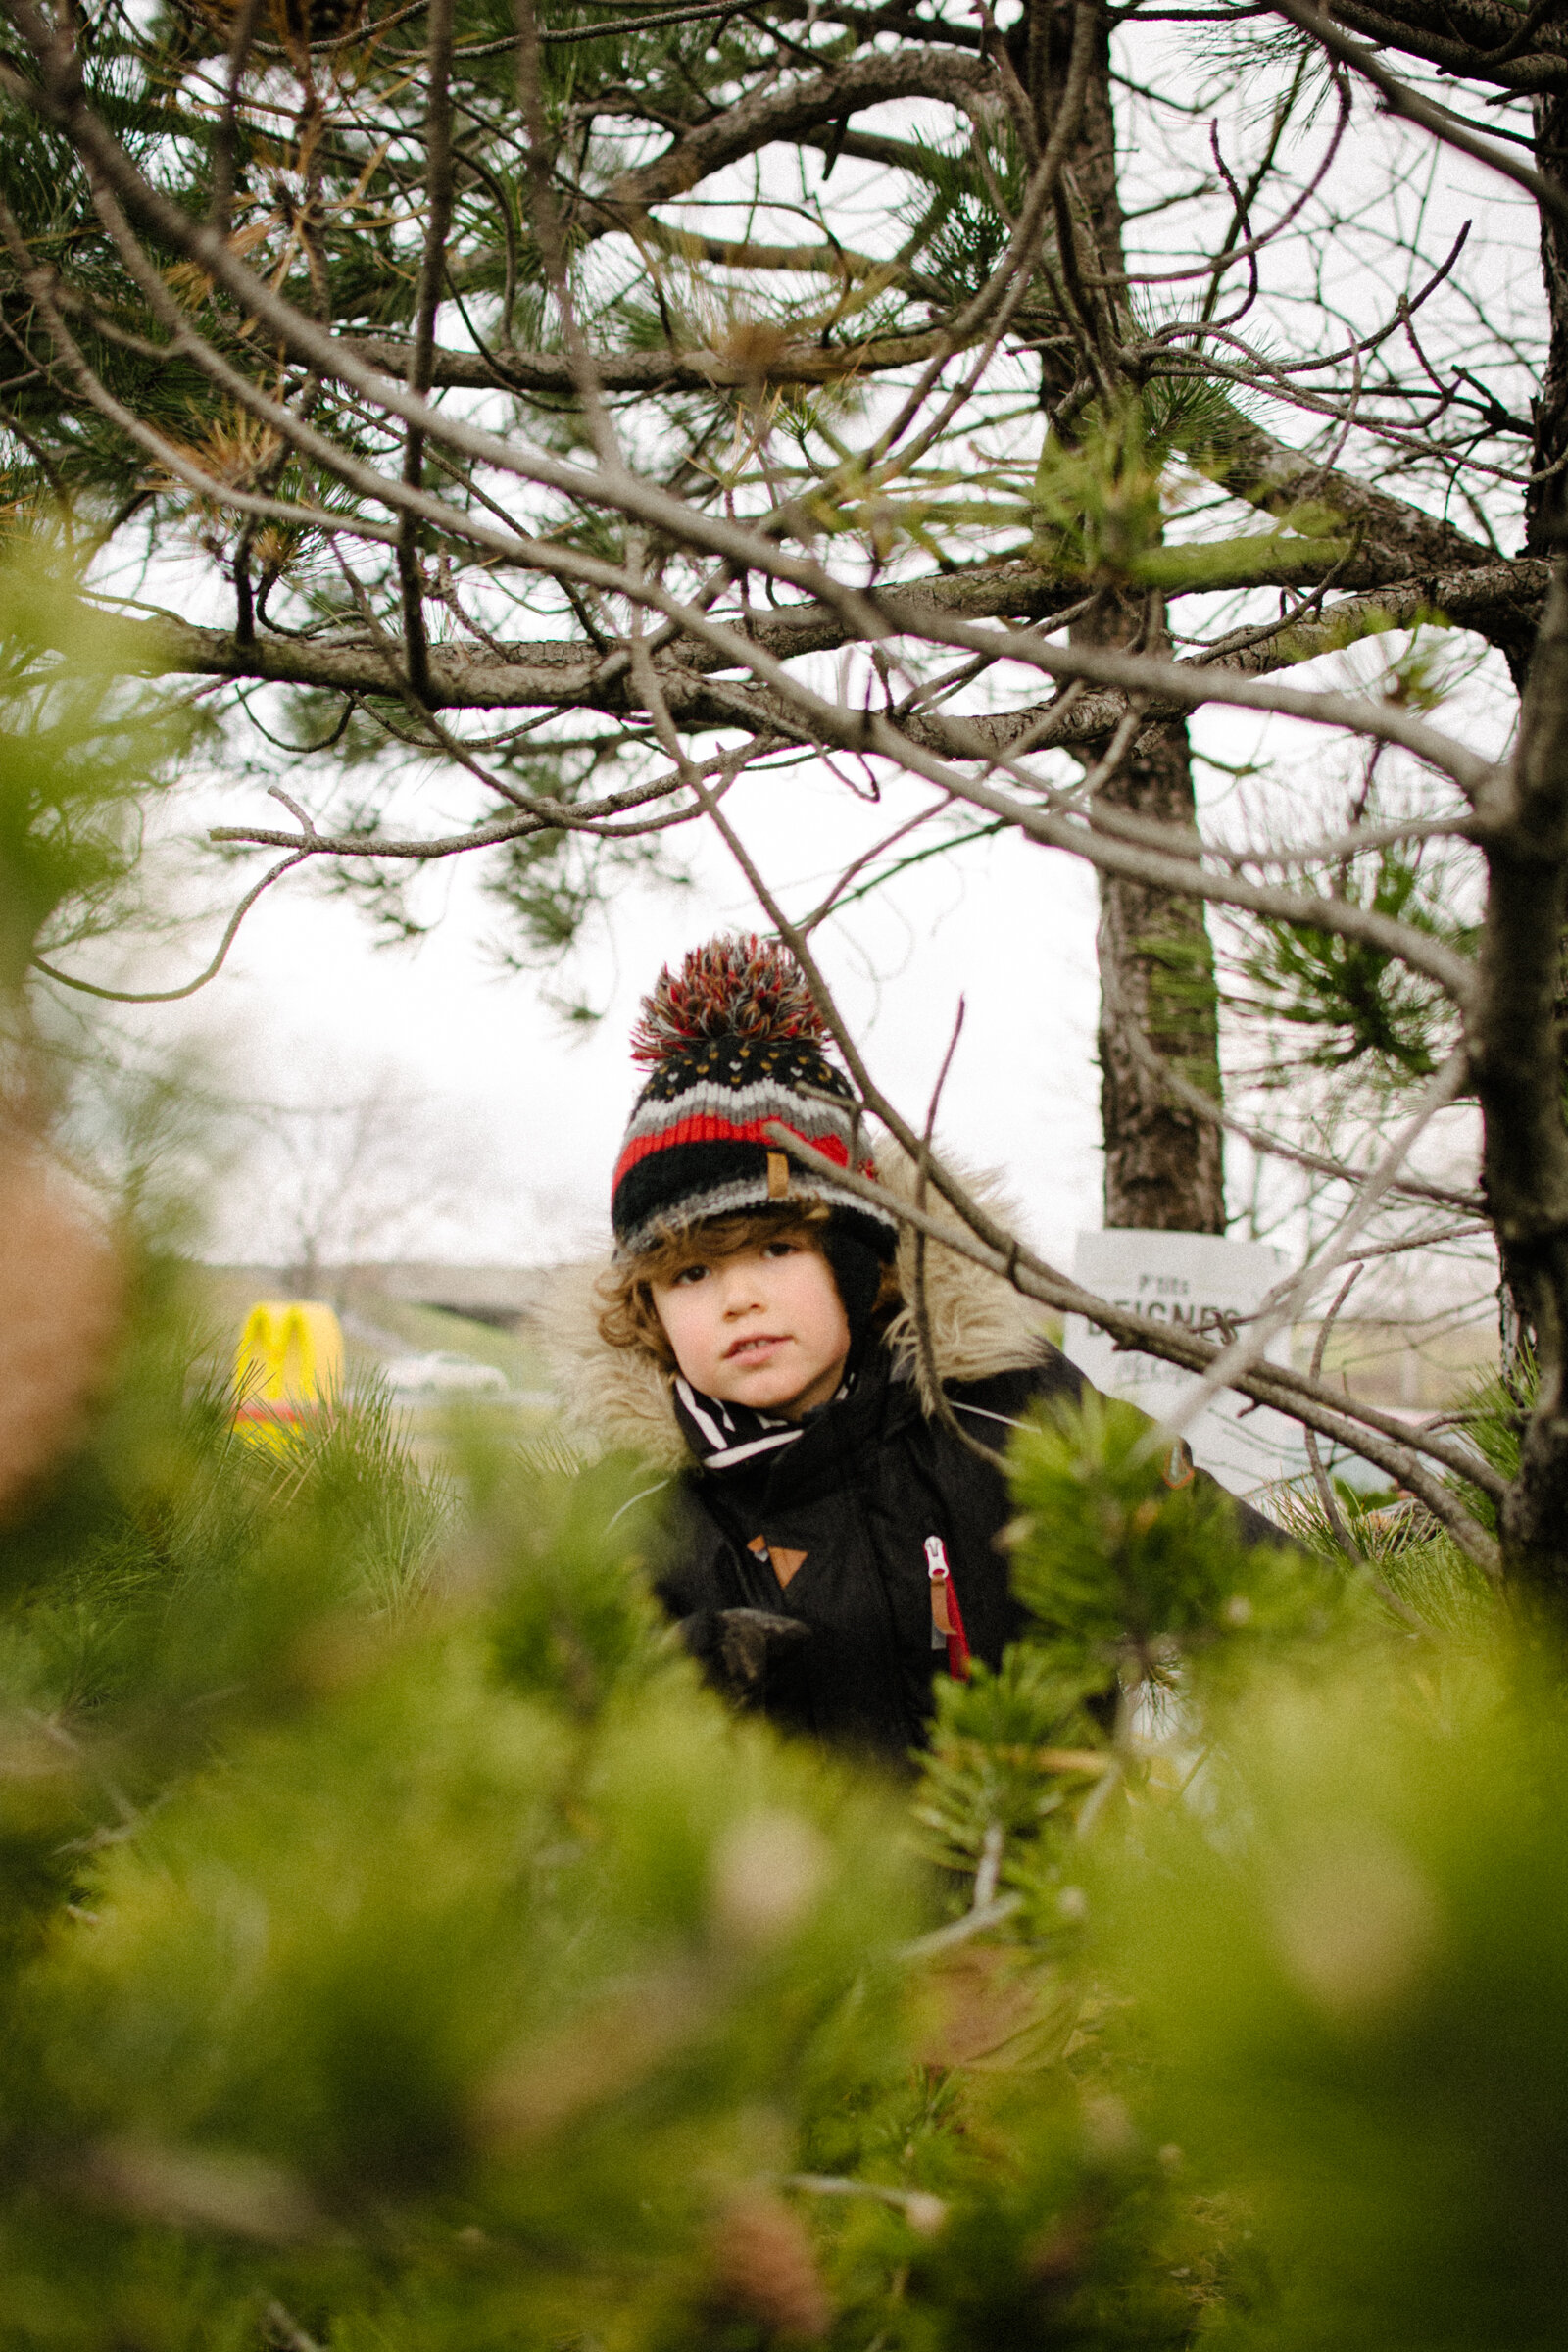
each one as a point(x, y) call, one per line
point(765, 1327)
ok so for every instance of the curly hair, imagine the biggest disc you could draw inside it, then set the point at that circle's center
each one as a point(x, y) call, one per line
point(629, 1317)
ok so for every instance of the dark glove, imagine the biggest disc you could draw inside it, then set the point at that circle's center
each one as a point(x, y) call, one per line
point(738, 1647)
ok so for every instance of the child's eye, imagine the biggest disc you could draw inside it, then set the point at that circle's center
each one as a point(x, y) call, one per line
point(687, 1276)
point(780, 1249)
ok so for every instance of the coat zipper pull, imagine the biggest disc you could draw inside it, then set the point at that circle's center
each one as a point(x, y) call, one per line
point(947, 1621)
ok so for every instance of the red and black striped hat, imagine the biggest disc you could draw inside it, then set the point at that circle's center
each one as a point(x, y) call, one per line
point(735, 1042)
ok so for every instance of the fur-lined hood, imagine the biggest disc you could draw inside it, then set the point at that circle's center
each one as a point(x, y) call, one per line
point(979, 1326)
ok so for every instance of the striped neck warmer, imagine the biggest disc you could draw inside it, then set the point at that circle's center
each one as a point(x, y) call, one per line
point(729, 1437)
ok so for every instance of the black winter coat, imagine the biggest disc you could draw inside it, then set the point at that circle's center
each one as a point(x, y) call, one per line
point(856, 1497)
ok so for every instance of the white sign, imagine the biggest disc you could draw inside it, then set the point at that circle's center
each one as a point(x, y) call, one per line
point(1211, 1287)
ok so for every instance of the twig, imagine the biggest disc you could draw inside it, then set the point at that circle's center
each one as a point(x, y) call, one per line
point(920, 1305)
point(432, 275)
point(974, 1922)
point(923, 2211)
point(989, 1870)
point(286, 2329)
point(171, 995)
point(1315, 1460)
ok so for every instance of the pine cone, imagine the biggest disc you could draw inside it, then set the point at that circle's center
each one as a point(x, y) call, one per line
point(763, 2267)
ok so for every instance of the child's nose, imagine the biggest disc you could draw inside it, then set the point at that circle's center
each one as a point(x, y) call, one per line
point(741, 1290)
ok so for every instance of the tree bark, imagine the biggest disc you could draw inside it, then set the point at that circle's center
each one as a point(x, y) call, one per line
point(1544, 500)
point(1516, 1055)
point(1163, 1161)
point(1521, 1294)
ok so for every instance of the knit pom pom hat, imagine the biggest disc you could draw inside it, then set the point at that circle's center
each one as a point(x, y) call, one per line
point(733, 1039)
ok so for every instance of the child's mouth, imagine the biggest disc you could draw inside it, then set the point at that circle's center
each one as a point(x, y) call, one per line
point(751, 1351)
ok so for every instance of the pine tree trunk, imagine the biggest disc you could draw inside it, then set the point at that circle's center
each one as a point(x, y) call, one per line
point(1163, 1162)
point(1545, 504)
point(1164, 1165)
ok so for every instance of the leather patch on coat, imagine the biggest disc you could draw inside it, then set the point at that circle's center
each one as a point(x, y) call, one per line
point(784, 1563)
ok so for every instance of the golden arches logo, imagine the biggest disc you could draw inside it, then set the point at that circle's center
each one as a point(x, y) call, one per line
point(288, 1363)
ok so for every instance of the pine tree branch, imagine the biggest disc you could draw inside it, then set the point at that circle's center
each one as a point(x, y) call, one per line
point(173, 995)
point(787, 112)
point(562, 674)
point(653, 371)
point(1481, 50)
point(1269, 472)
point(605, 485)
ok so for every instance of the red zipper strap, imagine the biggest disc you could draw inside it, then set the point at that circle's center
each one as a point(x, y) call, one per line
point(947, 1618)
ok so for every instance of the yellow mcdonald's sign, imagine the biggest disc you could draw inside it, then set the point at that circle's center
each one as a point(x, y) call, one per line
point(289, 1363)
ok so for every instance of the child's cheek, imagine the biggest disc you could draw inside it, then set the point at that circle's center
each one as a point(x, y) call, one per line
point(708, 1336)
point(692, 1326)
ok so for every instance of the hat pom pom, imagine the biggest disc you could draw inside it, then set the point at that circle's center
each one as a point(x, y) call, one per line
point(738, 985)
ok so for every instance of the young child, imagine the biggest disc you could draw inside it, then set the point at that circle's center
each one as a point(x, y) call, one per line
point(835, 1543)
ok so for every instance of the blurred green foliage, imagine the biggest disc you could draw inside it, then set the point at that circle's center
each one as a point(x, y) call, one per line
point(405, 1949)
point(84, 746)
point(1357, 1998)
